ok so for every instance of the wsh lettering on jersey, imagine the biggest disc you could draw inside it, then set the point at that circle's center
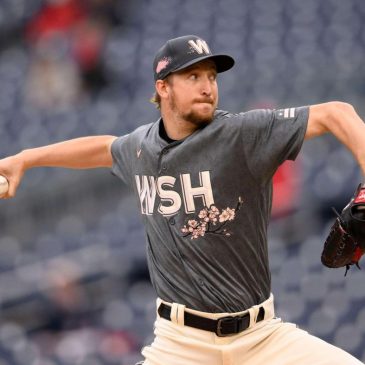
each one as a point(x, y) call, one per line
point(170, 201)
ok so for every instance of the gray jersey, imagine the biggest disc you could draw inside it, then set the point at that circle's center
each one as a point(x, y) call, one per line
point(206, 204)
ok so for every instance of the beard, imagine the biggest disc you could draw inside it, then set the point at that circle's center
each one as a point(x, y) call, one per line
point(195, 117)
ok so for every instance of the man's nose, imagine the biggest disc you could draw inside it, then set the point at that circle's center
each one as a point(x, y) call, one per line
point(206, 87)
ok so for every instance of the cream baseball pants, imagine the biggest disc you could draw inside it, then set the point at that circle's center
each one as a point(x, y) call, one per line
point(268, 342)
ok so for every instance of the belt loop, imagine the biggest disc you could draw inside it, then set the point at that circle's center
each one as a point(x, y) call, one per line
point(180, 315)
point(270, 307)
point(173, 313)
point(177, 314)
point(252, 314)
point(158, 303)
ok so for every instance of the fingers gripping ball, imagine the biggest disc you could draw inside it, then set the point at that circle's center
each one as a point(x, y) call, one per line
point(345, 243)
point(4, 186)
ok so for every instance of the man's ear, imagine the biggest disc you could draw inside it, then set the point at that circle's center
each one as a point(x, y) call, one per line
point(162, 88)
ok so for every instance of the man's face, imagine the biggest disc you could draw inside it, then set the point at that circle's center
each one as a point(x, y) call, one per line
point(193, 95)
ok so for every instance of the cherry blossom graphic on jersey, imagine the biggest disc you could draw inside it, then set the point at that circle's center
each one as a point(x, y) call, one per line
point(211, 221)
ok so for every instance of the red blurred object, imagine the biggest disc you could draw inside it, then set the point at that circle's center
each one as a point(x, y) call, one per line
point(286, 188)
point(87, 42)
point(115, 345)
point(56, 17)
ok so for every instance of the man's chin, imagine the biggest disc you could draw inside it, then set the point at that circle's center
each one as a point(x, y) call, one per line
point(201, 117)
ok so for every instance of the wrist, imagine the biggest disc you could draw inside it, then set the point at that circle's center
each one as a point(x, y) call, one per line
point(22, 160)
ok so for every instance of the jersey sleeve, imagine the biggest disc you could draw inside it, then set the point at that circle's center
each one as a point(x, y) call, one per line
point(272, 136)
point(121, 151)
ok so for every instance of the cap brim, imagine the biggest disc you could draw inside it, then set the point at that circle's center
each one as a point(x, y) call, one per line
point(223, 62)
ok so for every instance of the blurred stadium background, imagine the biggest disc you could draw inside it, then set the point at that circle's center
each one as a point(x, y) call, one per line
point(74, 287)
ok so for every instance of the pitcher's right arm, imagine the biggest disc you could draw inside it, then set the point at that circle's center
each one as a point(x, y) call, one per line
point(79, 153)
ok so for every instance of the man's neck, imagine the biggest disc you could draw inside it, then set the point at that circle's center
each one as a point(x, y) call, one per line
point(177, 129)
point(163, 134)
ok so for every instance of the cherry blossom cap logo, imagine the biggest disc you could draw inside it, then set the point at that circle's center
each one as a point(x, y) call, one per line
point(179, 53)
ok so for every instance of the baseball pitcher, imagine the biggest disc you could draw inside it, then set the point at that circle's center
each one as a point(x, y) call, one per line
point(202, 178)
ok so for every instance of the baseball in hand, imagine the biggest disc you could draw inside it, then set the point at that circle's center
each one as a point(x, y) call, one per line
point(4, 185)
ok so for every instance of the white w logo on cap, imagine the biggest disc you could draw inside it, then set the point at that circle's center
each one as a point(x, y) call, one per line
point(200, 46)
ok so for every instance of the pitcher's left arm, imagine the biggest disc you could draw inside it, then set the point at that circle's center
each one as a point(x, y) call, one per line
point(343, 122)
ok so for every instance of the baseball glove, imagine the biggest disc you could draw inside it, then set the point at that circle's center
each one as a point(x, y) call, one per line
point(345, 243)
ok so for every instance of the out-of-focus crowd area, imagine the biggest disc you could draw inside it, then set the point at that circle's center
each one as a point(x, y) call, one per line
point(74, 286)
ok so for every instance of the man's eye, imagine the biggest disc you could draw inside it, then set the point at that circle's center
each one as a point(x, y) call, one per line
point(193, 77)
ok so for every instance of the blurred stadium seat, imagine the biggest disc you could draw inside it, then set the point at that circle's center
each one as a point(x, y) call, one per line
point(287, 53)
